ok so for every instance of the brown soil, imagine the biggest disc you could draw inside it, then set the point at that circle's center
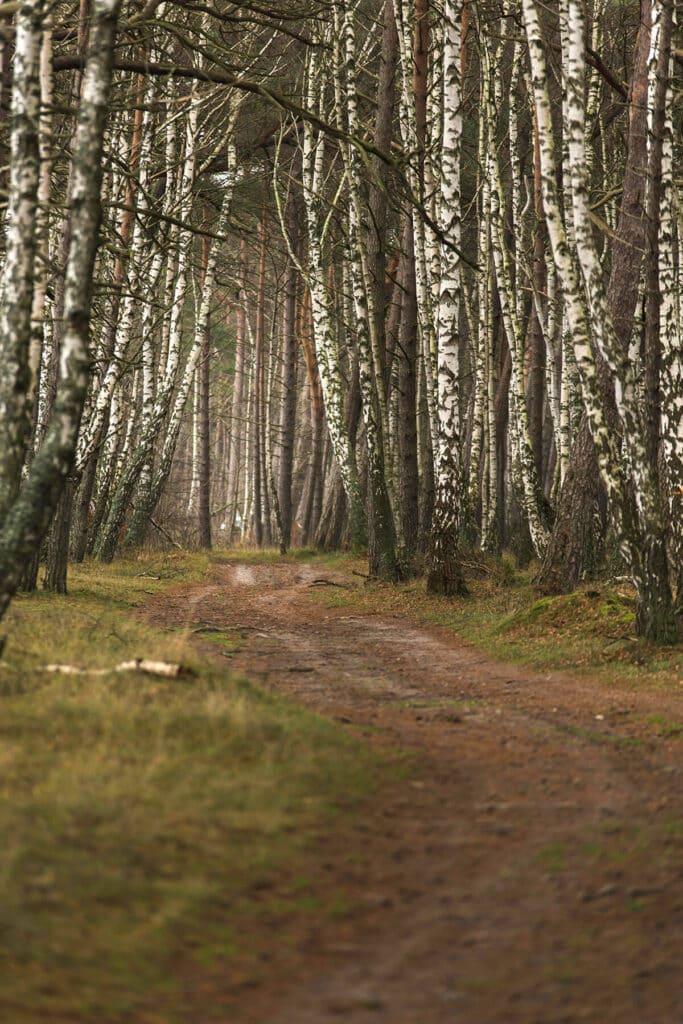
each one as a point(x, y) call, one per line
point(528, 869)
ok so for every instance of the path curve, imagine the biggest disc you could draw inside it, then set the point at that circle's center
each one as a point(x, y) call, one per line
point(530, 869)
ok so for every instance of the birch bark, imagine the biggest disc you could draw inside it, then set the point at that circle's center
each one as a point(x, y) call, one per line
point(638, 529)
point(381, 526)
point(16, 283)
point(24, 523)
point(671, 339)
point(327, 354)
point(445, 574)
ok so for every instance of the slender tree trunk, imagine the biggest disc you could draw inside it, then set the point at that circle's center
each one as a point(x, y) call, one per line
point(381, 527)
point(289, 381)
point(238, 416)
point(445, 574)
point(330, 532)
point(82, 503)
point(56, 560)
point(378, 192)
point(257, 393)
point(204, 371)
point(407, 360)
point(16, 283)
point(536, 342)
point(313, 490)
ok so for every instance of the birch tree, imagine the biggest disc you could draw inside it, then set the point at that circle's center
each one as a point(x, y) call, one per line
point(26, 511)
point(445, 575)
point(639, 531)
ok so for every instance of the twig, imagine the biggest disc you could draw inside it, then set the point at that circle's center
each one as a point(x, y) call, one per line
point(166, 534)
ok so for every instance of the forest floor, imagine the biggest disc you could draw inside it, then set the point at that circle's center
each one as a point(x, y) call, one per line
point(521, 860)
point(358, 803)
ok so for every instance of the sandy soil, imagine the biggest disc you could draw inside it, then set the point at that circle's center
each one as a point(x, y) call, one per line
point(529, 868)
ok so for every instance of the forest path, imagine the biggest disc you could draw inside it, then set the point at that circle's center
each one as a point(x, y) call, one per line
point(528, 869)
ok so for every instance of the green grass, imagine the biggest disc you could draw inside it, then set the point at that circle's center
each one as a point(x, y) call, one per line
point(146, 823)
point(666, 727)
point(591, 631)
point(552, 857)
point(270, 556)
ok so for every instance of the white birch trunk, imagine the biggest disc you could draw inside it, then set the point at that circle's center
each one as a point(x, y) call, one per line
point(16, 282)
point(445, 575)
point(405, 22)
point(331, 379)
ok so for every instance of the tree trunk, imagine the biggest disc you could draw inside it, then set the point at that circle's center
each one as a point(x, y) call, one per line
point(655, 619)
point(445, 573)
point(257, 391)
point(57, 554)
point(237, 408)
point(378, 193)
point(204, 371)
point(312, 505)
point(575, 546)
point(79, 530)
point(330, 530)
point(406, 356)
point(536, 342)
point(289, 382)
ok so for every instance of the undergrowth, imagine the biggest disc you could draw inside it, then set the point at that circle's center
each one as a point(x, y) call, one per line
point(145, 821)
point(269, 556)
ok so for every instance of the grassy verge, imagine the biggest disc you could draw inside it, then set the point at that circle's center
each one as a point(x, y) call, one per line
point(590, 631)
point(271, 556)
point(145, 822)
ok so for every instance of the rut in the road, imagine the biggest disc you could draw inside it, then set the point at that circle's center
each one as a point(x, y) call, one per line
point(525, 871)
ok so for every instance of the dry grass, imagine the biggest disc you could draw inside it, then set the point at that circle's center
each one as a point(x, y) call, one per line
point(590, 631)
point(140, 815)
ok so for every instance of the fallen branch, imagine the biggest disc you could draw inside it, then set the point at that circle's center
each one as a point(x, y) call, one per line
point(166, 534)
point(153, 668)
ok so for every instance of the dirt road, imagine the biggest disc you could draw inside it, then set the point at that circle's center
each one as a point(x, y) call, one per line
point(528, 869)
